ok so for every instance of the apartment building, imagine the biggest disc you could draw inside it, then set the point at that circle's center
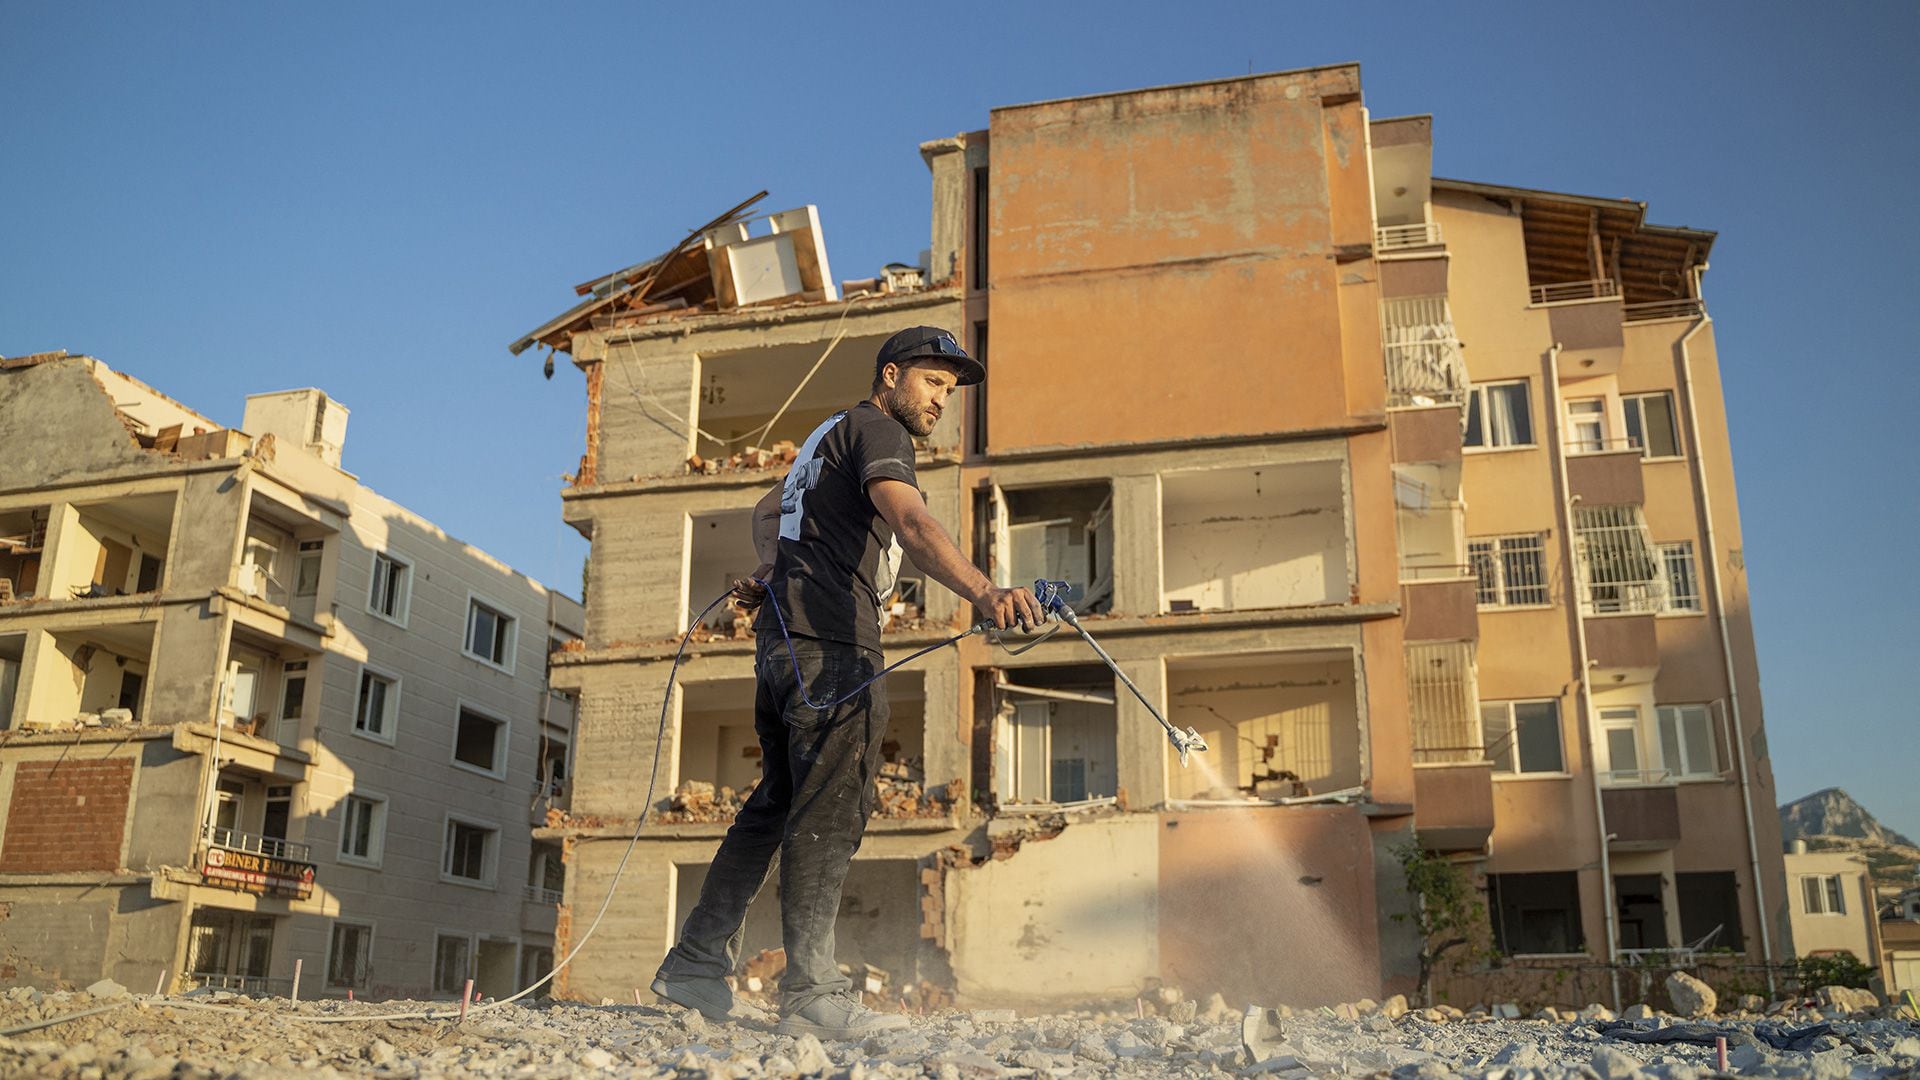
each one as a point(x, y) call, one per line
point(253, 715)
point(1831, 904)
point(1413, 496)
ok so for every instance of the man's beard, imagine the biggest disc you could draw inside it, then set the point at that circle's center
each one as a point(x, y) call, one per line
point(912, 418)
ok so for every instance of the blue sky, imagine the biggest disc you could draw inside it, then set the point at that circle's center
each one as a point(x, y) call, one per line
point(377, 198)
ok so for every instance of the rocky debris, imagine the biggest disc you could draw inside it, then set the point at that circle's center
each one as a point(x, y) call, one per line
point(899, 793)
point(1690, 996)
point(1162, 1033)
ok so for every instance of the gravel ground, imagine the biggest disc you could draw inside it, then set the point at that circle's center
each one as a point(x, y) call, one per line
point(148, 1038)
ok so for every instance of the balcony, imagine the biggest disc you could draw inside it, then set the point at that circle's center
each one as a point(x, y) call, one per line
point(1665, 309)
point(269, 846)
point(1621, 572)
point(1420, 234)
point(1443, 703)
point(1440, 605)
point(1569, 292)
point(1424, 364)
point(1605, 472)
point(1643, 811)
point(537, 894)
point(1453, 805)
point(1624, 649)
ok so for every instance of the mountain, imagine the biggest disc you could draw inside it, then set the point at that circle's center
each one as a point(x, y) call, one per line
point(1833, 814)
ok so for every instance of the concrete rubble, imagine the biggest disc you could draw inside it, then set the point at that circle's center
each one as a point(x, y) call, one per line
point(220, 1034)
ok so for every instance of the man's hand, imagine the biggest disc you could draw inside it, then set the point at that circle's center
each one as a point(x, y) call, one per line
point(748, 593)
point(1008, 606)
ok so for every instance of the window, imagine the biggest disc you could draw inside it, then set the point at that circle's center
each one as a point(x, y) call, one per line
point(379, 705)
point(349, 957)
point(1709, 903)
point(1511, 570)
point(1440, 702)
point(1686, 741)
point(470, 852)
point(363, 829)
point(278, 812)
point(1522, 736)
point(1587, 425)
point(391, 581)
point(306, 574)
point(293, 701)
point(1536, 913)
point(980, 228)
point(1497, 415)
point(1683, 577)
point(479, 741)
point(1823, 894)
point(451, 965)
point(1650, 424)
point(1620, 745)
point(489, 634)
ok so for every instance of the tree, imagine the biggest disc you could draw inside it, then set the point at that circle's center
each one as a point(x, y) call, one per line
point(1446, 907)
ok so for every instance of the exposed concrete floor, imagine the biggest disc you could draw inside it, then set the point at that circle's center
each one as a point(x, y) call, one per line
point(150, 1038)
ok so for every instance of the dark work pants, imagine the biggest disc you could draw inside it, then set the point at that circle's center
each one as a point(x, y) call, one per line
point(816, 792)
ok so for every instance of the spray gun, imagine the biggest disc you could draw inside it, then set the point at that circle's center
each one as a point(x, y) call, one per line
point(1053, 601)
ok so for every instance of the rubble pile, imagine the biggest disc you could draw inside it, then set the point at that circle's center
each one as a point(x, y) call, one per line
point(1161, 1034)
point(752, 459)
point(699, 801)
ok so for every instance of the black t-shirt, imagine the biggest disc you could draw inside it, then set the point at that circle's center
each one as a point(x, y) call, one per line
point(838, 557)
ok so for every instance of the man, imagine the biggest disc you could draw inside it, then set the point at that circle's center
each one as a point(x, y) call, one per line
point(830, 540)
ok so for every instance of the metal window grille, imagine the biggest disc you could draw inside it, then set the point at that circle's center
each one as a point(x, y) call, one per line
point(1620, 570)
point(1442, 702)
point(1424, 366)
point(1683, 576)
point(1511, 571)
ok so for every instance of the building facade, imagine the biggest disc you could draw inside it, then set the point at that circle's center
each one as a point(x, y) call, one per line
point(289, 720)
point(1490, 597)
point(1831, 901)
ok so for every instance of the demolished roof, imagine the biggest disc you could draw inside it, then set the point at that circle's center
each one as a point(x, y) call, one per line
point(677, 278)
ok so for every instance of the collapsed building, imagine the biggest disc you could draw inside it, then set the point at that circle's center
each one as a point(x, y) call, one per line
point(1231, 402)
point(255, 718)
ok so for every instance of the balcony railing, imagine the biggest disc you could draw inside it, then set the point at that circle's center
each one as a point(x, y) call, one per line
point(1424, 365)
point(1601, 446)
point(270, 846)
point(1636, 778)
point(240, 984)
point(1620, 569)
point(1398, 237)
point(1443, 702)
point(1664, 309)
point(1569, 291)
point(1412, 572)
point(540, 895)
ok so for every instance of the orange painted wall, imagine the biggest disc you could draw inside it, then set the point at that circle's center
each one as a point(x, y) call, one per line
point(1163, 262)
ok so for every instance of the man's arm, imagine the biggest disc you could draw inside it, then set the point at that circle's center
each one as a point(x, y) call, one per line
point(935, 552)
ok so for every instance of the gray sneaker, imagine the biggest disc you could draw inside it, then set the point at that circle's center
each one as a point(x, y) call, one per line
point(838, 1016)
point(711, 998)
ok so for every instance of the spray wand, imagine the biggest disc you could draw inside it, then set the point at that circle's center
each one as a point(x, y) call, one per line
point(1053, 601)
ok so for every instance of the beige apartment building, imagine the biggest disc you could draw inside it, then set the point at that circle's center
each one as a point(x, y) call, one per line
point(1413, 496)
point(1831, 904)
point(254, 715)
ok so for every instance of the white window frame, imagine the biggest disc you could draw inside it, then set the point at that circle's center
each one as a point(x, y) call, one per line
point(1509, 767)
point(406, 593)
point(366, 974)
point(1830, 888)
point(1686, 768)
point(433, 974)
point(501, 740)
point(392, 711)
point(1631, 408)
point(1611, 718)
point(1477, 399)
point(490, 857)
point(1591, 414)
point(376, 835)
point(1502, 586)
point(511, 620)
point(312, 548)
point(1676, 603)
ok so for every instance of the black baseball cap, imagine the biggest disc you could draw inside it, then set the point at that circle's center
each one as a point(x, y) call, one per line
point(920, 342)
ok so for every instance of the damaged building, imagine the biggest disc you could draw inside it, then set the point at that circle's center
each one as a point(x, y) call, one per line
point(1491, 597)
point(254, 717)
